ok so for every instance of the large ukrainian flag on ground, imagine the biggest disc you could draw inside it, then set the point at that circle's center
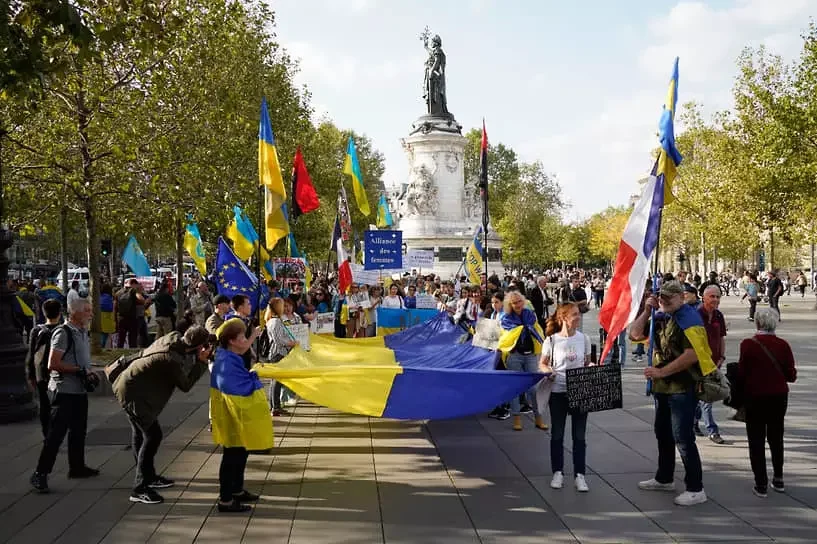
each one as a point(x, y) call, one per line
point(420, 373)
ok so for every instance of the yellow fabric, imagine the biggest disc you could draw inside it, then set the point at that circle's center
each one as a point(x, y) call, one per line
point(24, 308)
point(241, 421)
point(350, 376)
point(383, 331)
point(344, 314)
point(700, 343)
point(107, 322)
point(508, 339)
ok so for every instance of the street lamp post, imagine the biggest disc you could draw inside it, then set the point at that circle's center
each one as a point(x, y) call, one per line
point(16, 398)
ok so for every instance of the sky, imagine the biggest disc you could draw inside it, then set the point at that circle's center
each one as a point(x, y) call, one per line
point(578, 86)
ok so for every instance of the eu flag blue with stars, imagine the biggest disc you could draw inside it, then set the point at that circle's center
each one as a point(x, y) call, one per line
point(233, 277)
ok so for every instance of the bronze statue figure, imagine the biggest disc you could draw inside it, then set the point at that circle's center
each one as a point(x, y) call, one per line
point(434, 83)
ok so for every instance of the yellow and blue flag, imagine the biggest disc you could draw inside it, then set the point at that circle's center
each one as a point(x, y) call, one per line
point(242, 234)
point(351, 166)
point(193, 245)
point(239, 409)
point(269, 176)
point(669, 157)
point(135, 259)
point(380, 376)
point(233, 277)
point(474, 265)
point(384, 218)
point(692, 324)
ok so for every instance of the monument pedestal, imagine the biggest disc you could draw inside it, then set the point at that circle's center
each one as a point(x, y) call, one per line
point(436, 210)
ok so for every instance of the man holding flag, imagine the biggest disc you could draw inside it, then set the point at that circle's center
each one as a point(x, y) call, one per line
point(679, 350)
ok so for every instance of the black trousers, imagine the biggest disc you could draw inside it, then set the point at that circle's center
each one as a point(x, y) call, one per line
point(45, 406)
point(231, 472)
point(774, 303)
point(69, 414)
point(764, 422)
point(146, 440)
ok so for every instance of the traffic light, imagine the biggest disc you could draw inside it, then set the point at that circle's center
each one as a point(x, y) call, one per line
point(106, 247)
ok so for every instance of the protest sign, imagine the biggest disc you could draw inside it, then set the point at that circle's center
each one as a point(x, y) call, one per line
point(594, 388)
point(384, 249)
point(325, 323)
point(301, 334)
point(289, 267)
point(425, 302)
point(420, 258)
point(486, 334)
point(360, 299)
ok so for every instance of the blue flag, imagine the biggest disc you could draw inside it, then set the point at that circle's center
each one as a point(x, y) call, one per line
point(235, 278)
point(135, 259)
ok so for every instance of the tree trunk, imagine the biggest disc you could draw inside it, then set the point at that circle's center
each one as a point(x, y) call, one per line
point(64, 247)
point(91, 236)
point(179, 268)
point(702, 263)
point(771, 249)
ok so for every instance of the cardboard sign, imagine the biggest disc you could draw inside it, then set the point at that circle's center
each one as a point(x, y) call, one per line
point(289, 268)
point(360, 299)
point(324, 323)
point(594, 388)
point(426, 302)
point(486, 334)
point(301, 334)
point(420, 258)
point(384, 249)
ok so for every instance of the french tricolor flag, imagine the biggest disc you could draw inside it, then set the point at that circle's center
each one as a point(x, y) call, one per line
point(640, 238)
point(635, 251)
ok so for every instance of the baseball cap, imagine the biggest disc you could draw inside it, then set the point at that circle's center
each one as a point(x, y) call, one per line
point(690, 289)
point(671, 288)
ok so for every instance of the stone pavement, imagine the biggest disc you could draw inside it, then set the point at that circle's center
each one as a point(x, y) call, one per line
point(341, 478)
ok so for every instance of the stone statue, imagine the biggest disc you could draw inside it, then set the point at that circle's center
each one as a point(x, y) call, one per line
point(470, 201)
point(434, 82)
point(421, 194)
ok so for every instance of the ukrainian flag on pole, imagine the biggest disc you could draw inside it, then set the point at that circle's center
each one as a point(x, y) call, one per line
point(474, 264)
point(351, 166)
point(192, 243)
point(269, 176)
point(669, 157)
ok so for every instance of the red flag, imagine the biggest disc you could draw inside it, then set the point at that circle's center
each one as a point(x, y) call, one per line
point(344, 269)
point(304, 197)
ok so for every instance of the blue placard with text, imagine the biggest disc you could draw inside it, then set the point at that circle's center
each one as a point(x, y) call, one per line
point(384, 249)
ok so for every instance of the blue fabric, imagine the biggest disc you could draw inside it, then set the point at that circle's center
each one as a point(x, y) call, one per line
point(517, 362)
point(231, 377)
point(394, 318)
point(526, 319)
point(438, 331)
point(233, 277)
point(450, 393)
point(105, 303)
point(462, 356)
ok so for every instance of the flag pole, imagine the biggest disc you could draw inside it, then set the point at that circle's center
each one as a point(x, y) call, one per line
point(651, 348)
point(261, 223)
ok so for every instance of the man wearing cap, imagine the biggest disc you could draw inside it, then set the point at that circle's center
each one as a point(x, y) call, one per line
point(221, 307)
point(144, 389)
point(673, 388)
point(691, 296)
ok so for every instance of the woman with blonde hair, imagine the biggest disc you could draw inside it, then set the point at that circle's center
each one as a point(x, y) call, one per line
point(521, 342)
point(565, 347)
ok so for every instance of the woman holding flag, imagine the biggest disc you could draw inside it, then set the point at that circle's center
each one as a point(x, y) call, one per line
point(240, 416)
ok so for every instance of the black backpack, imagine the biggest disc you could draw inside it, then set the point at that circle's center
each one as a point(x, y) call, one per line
point(42, 350)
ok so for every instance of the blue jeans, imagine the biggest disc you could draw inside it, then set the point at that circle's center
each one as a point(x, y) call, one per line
point(578, 428)
point(639, 350)
point(704, 411)
point(524, 363)
point(674, 420)
point(622, 347)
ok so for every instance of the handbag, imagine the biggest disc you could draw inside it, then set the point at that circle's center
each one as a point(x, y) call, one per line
point(713, 387)
point(736, 397)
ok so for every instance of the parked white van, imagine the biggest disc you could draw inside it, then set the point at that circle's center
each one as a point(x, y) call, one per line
point(82, 275)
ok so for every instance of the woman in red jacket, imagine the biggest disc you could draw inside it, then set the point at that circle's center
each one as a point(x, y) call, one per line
point(765, 367)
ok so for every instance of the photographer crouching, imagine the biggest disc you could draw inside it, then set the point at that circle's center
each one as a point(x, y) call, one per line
point(69, 364)
point(144, 389)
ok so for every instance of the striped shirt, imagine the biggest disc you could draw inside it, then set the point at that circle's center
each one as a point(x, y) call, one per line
point(279, 337)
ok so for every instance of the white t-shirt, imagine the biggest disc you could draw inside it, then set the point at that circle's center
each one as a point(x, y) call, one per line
point(565, 352)
point(392, 301)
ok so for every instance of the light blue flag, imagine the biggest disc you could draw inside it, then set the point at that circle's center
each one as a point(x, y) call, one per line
point(135, 259)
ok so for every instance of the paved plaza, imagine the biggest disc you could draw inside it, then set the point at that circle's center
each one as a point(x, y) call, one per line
point(349, 479)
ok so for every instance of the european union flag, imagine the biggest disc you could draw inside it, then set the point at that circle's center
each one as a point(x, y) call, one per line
point(235, 278)
point(135, 259)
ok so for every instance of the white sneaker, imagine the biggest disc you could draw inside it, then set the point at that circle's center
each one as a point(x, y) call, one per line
point(688, 498)
point(581, 484)
point(558, 480)
point(654, 485)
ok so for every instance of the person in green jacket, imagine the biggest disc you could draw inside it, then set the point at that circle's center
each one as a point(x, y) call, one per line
point(144, 389)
